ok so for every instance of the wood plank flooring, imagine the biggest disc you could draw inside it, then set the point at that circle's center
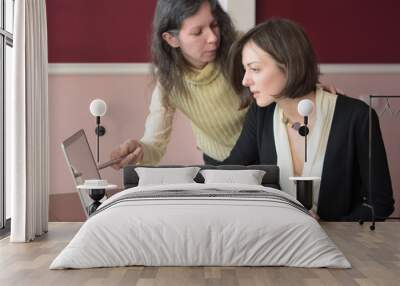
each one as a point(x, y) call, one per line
point(375, 257)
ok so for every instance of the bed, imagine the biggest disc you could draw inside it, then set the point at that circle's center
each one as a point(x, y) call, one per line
point(201, 224)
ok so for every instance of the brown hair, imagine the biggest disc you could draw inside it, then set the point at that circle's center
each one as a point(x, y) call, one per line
point(169, 63)
point(289, 46)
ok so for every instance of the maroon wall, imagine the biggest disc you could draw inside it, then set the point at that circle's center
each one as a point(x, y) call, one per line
point(99, 30)
point(352, 31)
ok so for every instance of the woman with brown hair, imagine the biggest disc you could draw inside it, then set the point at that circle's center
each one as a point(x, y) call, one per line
point(276, 63)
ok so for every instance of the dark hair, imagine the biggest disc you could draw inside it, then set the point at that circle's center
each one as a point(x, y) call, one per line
point(169, 63)
point(289, 46)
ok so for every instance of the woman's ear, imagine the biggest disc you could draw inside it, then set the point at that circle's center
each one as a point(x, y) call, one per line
point(171, 39)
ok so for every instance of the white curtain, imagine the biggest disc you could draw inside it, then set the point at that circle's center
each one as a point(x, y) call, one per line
point(27, 137)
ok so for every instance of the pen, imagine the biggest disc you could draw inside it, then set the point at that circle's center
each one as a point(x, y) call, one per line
point(108, 163)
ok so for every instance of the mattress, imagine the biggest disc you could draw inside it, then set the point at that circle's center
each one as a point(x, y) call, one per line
point(201, 225)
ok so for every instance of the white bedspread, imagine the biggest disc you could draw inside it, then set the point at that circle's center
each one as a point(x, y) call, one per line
point(200, 231)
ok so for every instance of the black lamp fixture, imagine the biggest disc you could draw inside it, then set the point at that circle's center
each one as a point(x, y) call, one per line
point(98, 108)
point(304, 185)
point(305, 108)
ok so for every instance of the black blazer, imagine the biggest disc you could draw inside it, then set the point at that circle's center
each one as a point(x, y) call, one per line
point(344, 180)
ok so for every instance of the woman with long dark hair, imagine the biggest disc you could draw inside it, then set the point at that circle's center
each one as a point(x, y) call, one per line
point(190, 42)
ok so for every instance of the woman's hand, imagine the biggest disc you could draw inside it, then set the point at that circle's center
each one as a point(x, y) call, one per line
point(131, 151)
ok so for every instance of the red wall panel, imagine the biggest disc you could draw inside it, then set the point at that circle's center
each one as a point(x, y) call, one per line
point(99, 30)
point(351, 31)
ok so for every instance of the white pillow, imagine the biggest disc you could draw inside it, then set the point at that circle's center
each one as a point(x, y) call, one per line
point(162, 176)
point(248, 177)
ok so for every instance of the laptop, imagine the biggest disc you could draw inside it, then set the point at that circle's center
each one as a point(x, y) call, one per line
point(81, 163)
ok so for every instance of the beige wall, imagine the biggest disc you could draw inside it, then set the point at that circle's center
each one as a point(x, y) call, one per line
point(128, 97)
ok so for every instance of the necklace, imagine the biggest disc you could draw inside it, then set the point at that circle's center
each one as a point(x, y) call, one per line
point(300, 128)
point(296, 125)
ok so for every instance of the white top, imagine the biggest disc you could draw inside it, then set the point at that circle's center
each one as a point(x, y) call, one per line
point(317, 140)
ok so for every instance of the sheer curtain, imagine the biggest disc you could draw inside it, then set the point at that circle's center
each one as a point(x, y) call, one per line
point(27, 138)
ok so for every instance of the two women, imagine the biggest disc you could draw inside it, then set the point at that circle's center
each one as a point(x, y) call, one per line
point(276, 63)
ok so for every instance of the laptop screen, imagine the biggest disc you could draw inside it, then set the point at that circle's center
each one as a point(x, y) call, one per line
point(80, 158)
point(81, 163)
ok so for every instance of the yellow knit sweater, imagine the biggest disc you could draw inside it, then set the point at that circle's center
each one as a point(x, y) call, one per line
point(212, 107)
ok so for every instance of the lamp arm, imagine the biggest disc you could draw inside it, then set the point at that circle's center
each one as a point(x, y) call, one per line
point(305, 138)
point(98, 141)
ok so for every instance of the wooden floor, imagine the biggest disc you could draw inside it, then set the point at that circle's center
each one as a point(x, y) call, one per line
point(375, 257)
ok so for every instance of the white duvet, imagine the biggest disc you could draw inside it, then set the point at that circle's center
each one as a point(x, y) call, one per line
point(200, 231)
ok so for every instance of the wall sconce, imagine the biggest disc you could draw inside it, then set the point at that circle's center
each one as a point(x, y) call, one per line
point(98, 108)
point(305, 108)
point(304, 185)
